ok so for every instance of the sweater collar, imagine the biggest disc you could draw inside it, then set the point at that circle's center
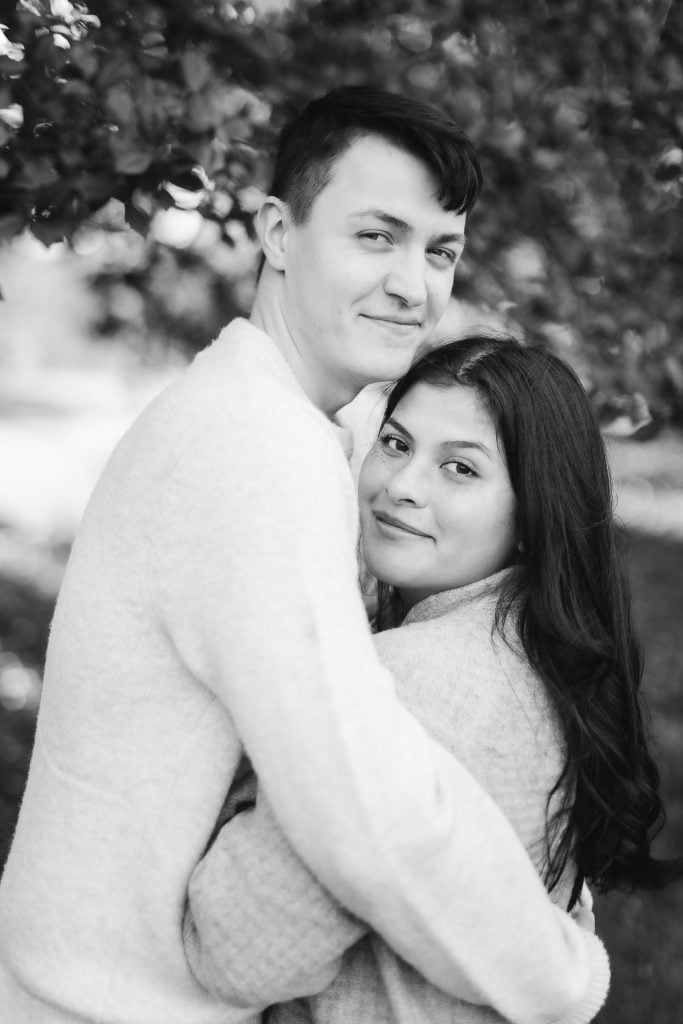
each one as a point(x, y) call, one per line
point(266, 349)
point(273, 358)
point(460, 597)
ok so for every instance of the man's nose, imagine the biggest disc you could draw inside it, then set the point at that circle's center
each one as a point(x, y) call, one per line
point(406, 279)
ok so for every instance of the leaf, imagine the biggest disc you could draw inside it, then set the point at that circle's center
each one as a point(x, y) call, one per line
point(202, 112)
point(50, 230)
point(138, 219)
point(11, 224)
point(153, 50)
point(115, 70)
point(165, 199)
point(38, 173)
point(11, 67)
point(186, 178)
point(96, 188)
point(196, 69)
point(78, 90)
point(131, 155)
point(200, 151)
point(119, 104)
point(85, 58)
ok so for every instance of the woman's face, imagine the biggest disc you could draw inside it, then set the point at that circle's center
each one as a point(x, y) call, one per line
point(436, 503)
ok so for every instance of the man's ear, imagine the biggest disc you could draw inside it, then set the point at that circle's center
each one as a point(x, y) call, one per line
point(272, 222)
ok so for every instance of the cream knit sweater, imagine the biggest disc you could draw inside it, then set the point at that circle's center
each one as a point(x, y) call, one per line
point(210, 605)
point(267, 928)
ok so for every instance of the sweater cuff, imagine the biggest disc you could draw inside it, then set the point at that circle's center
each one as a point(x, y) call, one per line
point(598, 987)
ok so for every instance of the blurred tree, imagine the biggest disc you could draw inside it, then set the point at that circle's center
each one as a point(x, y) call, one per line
point(576, 110)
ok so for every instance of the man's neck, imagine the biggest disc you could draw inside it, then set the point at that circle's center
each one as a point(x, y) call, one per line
point(267, 314)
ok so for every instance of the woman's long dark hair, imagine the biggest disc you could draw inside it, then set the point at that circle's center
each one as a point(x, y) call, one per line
point(571, 603)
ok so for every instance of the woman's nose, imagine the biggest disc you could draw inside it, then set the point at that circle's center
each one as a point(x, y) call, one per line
point(407, 485)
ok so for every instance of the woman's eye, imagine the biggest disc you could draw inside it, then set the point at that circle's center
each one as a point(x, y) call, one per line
point(458, 468)
point(392, 443)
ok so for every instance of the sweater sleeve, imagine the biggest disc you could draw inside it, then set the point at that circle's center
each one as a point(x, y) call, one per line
point(258, 593)
point(259, 928)
point(252, 876)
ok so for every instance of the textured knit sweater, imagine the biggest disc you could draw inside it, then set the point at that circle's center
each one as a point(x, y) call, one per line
point(267, 928)
point(210, 605)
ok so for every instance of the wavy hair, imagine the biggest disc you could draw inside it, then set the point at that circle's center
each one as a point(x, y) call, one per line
point(571, 605)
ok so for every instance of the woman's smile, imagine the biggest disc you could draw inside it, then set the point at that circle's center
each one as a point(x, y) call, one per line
point(436, 473)
point(394, 528)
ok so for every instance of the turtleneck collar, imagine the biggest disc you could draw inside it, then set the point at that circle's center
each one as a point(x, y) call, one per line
point(446, 600)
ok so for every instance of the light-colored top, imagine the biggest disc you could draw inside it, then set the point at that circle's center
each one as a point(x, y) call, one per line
point(268, 929)
point(210, 604)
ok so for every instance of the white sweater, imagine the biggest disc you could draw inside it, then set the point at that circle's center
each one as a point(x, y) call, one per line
point(210, 605)
point(260, 928)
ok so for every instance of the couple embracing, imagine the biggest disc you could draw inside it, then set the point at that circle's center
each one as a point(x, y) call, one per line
point(242, 803)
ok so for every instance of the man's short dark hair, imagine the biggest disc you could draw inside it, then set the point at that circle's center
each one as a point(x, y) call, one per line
point(312, 141)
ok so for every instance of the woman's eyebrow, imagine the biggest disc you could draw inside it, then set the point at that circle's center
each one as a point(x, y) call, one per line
point(458, 445)
point(391, 422)
point(477, 445)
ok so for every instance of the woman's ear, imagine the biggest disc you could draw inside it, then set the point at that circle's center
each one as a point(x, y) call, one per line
point(272, 222)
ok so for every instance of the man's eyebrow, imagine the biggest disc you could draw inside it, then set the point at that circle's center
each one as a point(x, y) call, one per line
point(386, 218)
point(452, 237)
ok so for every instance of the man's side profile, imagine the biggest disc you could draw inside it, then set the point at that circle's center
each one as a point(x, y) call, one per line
point(210, 609)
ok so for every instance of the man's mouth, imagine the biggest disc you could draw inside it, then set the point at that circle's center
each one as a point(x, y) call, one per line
point(395, 321)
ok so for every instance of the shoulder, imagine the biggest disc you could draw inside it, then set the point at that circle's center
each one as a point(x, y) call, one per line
point(461, 658)
point(466, 634)
point(238, 408)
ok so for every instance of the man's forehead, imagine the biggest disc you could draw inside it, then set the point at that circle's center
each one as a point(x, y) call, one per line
point(374, 174)
point(364, 152)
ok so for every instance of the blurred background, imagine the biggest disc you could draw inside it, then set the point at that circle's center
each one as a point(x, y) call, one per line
point(134, 149)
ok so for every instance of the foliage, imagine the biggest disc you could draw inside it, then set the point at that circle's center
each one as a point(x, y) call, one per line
point(576, 110)
point(28, 584)
point(120, 101)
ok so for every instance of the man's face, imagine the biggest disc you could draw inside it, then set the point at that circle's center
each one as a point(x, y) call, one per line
point(369, 274)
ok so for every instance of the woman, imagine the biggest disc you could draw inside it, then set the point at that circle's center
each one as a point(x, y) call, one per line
point(486, 516)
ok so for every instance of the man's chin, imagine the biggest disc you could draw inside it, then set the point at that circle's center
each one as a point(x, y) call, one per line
point(387, 371)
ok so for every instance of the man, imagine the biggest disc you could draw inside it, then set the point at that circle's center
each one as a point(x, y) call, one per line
point(210, 608)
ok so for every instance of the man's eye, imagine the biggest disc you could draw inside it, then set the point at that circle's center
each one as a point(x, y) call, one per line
point(445, 256)
point(375, 236)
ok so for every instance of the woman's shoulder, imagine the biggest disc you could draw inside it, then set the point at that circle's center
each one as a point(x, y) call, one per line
point(464, 661)
point(444, 625)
